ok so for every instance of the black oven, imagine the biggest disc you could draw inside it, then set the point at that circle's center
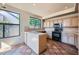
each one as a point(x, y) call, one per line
point(56, 34)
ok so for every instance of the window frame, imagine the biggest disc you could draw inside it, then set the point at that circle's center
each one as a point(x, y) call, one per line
point(35, 25)
point(2, 32)
point(9, 24)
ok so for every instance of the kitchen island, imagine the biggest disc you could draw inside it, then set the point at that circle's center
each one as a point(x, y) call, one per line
point(36, 41)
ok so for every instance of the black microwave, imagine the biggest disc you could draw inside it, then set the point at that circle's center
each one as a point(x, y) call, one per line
point(58, 26)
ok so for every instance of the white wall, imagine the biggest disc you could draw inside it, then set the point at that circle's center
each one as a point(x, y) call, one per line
point(23, 23)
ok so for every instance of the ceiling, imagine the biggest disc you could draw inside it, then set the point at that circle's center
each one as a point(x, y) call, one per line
point(42, 9)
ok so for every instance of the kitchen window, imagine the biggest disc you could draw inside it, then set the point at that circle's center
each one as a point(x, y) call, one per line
point(34, 23)
point(9, 24)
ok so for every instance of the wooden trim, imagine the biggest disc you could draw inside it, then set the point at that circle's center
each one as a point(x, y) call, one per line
point(76, 7)
point(70, 27)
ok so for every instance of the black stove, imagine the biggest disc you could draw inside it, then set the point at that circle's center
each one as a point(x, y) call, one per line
point(56, 34)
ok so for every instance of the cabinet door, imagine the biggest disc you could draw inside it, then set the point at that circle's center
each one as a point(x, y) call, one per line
point(47, 24)
point(33, 42)
point(55, 21)
point(60, 21)
point(64, 38)
point(67, 22)
point(74, 21)
point(51, 23)
point(71, 39)
point(68, 38)
point(76, 40)
point(44, 24)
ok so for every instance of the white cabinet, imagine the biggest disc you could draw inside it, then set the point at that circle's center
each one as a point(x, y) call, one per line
point(76, 40)
point(48, 24)
point(45, 24)
point(36, 41)
point(33, 42)
point(64, 38)
point(71, 39)
point(51, 23)
point(68, 38)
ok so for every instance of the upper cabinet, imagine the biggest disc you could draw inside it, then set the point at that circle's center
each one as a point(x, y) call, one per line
point(55, 21)
point(70, 22)
point(51, 23)
point(46, 23)
point(60, 21)
point(74, 21)
point(66, 22)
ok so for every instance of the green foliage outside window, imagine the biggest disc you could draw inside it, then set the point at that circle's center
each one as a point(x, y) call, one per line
point(35, 22)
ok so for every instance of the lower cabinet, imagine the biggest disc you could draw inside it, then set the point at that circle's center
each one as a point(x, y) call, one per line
point(64, 38)
point(36, 41)
point(33, 41)
point(68, 38)
point(76, 40)
point(71, 39)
